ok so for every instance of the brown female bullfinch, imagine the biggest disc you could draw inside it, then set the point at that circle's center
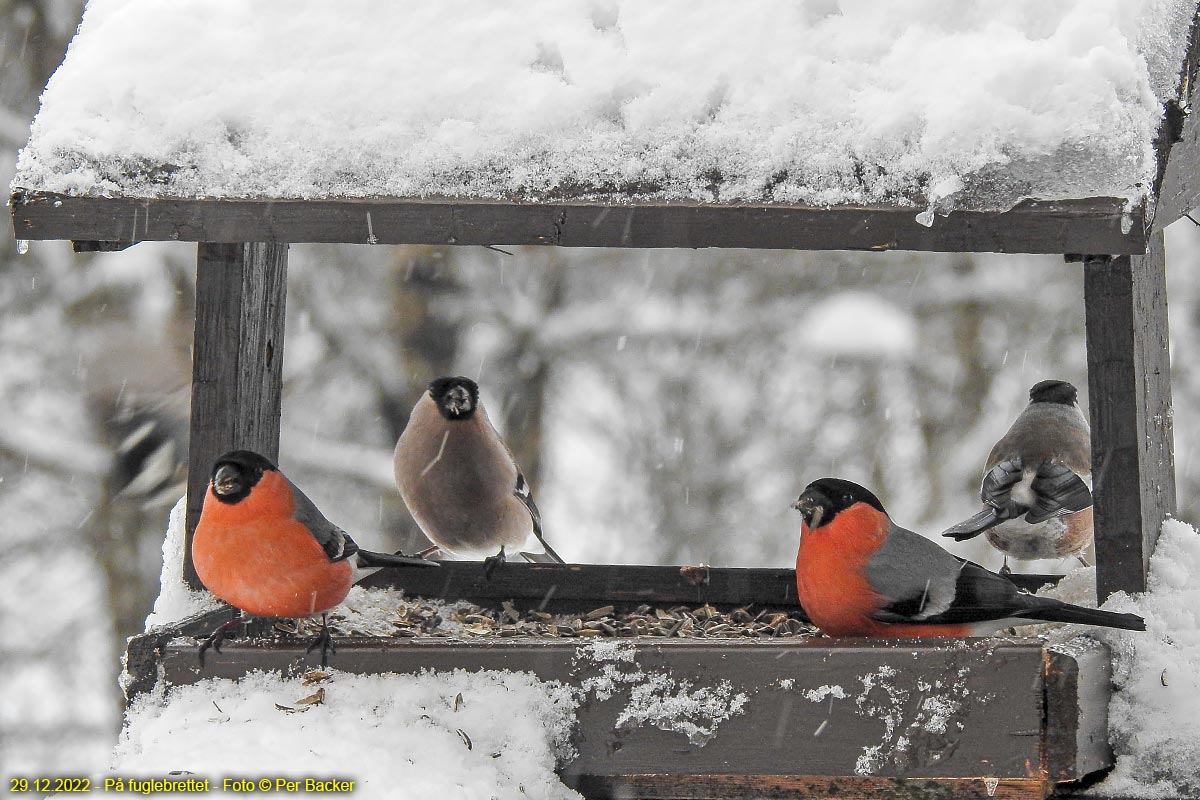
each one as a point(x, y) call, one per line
point(264, 548)
point(460, 481)
point(860, 574)
point(1037, 482)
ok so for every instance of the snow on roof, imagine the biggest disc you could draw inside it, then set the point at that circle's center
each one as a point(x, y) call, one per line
point(969, 105)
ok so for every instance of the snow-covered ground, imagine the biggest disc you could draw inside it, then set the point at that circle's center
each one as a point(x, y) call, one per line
point(918, 103)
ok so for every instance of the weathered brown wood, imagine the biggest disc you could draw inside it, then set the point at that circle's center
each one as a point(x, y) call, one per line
point(735, 787)
point(1129, 381)
point(587, 586)
point(1077, 693)
point(1093, 225)
point(143, 652)
point(1177, 145)
point(237, 361)
point(958, 708)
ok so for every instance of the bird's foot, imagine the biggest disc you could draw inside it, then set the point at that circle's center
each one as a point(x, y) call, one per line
point(324, 641)
point(1083, 561)
point(215, 639)
point(491, 562)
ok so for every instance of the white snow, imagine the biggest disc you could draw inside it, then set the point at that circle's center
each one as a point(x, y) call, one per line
point(1156, 705)
point(658, 698)
point(823, 691)
point(671, 704)
point(176, 600)
point(449, 735)
point(821, 103)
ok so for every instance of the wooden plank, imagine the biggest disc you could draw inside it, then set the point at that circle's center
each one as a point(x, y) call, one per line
point(1078, 685)
point(1129, 382)
point(237, 361)
point(1177, 143)
point(915, 709)
point(1093, 225)
point(687, 787)
point(585, 586)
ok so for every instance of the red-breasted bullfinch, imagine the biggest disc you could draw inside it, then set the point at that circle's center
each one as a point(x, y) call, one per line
point(860, 574)
point(460, 481)
point(264, 548)
point(1037, 483)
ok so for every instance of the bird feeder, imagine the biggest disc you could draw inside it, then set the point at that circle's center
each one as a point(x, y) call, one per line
point(1025, 718)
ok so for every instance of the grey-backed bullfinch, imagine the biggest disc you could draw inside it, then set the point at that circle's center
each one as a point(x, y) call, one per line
point(860, 574)
point(1037, 481)
point(460, 481)
point(264, 548)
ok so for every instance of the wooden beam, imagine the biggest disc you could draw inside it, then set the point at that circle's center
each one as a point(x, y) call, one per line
point(957, 710)
point(1077, 692)
point(1093, 225)
point(237, 361)
point(1129, 382)
point(582, 587)
point(670, 786)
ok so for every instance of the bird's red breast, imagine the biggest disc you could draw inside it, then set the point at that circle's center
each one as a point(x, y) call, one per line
point(256, 557)
point(832, 584)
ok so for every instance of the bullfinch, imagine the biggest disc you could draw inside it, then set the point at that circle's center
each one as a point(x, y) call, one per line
point(860, 574)
point(460, 481)
point(264, 548)
point(1036, 492)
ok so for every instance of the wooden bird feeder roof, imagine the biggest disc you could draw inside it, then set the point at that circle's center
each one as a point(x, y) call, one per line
point(733, 126)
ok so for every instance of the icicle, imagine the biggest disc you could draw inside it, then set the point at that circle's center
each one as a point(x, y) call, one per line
point(941, 200)
point(371, 238)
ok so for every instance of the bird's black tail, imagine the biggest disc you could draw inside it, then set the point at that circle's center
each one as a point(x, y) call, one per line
point(368, 558)
point(1055, 611)
point(970, 528)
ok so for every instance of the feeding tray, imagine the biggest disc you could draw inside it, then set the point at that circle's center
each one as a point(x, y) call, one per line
point(768, 708)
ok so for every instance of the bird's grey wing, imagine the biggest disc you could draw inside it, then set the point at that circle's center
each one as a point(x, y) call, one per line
point(523, 493)
point(336, 543)
point(997, 487)
point(923, 583)
point(1059, 490)
point(914, 575)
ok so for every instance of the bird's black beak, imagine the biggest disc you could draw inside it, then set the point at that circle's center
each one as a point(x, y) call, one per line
point(458, 401)
point(810, 509)
point(227, 480)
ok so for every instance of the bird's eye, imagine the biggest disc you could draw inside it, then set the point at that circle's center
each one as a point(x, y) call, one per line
point(848, 499)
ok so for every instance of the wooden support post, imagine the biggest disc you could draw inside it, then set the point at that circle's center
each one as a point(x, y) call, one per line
point(236, 361)
point(1129, 380)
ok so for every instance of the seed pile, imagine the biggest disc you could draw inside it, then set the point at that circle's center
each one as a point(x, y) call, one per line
point(415, 616)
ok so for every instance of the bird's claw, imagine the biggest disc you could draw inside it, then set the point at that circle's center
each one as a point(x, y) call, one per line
point(324, 641)
point(215, 638)
point(491, 562)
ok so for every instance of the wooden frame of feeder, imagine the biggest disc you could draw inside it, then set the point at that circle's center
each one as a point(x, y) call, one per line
point(236, 394)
